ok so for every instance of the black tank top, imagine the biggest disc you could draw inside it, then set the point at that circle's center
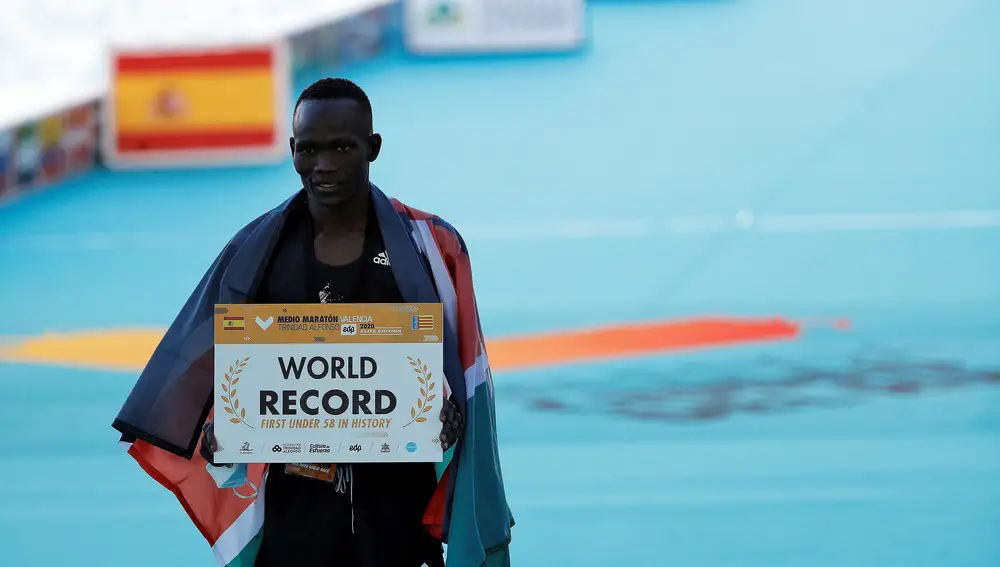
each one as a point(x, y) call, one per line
point(306, 522)
point(368, 279)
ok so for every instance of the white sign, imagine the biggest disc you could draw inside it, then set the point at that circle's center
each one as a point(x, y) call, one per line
point(486, 26)
point(328, 403)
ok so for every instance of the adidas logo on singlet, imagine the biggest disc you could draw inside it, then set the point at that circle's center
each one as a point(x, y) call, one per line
point(382, 259)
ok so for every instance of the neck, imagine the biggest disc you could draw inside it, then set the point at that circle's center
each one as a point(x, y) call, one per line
point(347, 217)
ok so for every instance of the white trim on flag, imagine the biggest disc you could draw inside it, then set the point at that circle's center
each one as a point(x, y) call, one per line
point(243, 530)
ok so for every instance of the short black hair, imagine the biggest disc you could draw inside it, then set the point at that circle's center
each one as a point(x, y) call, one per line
point(331, 88)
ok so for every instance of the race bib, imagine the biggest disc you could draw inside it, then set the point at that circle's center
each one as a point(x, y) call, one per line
point(324, 472)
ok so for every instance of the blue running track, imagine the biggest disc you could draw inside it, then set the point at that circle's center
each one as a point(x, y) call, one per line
point(758, 158)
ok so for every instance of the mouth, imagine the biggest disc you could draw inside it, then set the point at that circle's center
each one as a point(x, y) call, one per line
point(325, 187)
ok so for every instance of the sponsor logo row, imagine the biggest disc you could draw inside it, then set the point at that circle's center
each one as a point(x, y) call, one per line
point(355, 447)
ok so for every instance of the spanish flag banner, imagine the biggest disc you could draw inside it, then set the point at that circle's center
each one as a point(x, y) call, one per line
point(204, 106)
point(233, 323)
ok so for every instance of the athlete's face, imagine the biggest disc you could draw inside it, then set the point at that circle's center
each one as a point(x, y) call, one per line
point(332, 146)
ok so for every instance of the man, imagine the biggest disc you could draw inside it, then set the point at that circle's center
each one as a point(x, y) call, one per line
point(339, 239)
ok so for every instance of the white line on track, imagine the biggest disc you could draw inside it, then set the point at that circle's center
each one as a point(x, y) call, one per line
point(743, 220)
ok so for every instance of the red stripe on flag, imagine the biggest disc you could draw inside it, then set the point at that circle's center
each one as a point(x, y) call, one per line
point(166, 61)
point(434, 513)
point(217, 139)
point(212, 510)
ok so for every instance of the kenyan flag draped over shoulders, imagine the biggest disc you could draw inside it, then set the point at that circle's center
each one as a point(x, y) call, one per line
point(161, 419)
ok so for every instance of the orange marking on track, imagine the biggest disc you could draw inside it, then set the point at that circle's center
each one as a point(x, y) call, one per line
point(129, 349)
point(842, 324)
point(112, 349)
point(621, 341)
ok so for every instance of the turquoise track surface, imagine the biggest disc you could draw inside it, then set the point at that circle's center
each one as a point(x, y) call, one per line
point(811, 160)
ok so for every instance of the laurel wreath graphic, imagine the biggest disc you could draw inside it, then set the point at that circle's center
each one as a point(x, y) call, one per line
point(424, 401)
point(229, 387)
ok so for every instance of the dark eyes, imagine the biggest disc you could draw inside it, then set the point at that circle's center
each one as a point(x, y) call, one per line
point(309, 149)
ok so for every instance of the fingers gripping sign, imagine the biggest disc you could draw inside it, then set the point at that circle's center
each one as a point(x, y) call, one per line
point(209, 444)
point(452, 425)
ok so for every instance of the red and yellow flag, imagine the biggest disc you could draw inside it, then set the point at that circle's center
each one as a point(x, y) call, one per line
point(211, 99)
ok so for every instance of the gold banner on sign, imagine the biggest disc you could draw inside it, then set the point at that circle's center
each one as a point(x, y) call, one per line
point(328, 323)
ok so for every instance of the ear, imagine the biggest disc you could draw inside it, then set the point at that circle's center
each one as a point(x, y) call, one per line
point(291, 145)
point(375, 145)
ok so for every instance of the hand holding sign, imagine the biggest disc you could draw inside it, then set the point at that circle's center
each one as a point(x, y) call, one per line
point(453, 424)
point(208, 445)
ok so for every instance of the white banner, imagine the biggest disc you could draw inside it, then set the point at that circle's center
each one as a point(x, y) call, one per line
point(486, 26)
point(328, 403)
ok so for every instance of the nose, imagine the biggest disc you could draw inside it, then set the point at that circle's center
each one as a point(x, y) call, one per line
point(326, 161)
